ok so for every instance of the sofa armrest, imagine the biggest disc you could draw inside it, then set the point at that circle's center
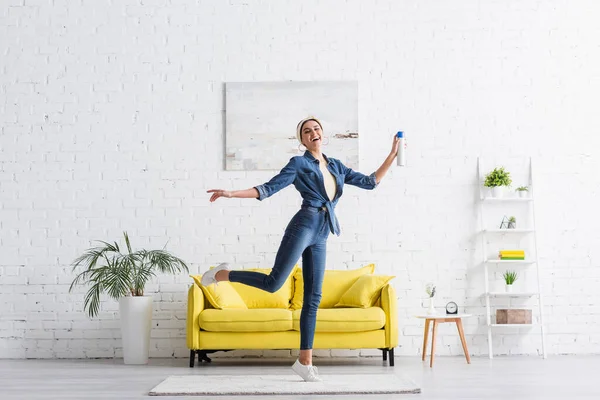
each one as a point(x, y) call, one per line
point(194, 308)
point(389, 304)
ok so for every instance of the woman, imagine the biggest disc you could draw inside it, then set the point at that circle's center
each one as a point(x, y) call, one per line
point(320, 181)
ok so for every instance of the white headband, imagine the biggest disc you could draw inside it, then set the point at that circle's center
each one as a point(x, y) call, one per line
point(299, 127)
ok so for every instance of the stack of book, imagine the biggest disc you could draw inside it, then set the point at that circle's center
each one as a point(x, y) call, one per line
point(512, 254)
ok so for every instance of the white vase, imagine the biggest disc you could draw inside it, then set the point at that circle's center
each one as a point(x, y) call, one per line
point(509, 288)
point(431, 309)
point(523, 193)
point(498, 191)
point(136, 321)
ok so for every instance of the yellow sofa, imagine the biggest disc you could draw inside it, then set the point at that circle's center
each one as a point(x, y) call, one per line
point(233, 316)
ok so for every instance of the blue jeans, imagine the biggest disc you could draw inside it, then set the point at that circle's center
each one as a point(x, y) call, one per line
point(305, 235)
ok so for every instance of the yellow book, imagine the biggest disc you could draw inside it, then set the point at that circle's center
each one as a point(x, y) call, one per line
point(512, 252)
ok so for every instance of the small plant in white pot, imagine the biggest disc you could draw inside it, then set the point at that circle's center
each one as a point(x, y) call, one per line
point(523, 191)
point(123, 276)
point(430, 290)
point(497, 181)
point(509, 278)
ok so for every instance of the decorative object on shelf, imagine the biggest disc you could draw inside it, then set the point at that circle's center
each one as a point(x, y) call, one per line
point(123, 277)
point(430, 290)
point(451, 308)
point(513, 316)
point(510, 277)
point(511, 254)
point(523, 191)
point(504, 223)
point(497, 180)
point(510, 223)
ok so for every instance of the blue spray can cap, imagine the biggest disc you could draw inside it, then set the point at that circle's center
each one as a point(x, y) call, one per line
point(400, 134)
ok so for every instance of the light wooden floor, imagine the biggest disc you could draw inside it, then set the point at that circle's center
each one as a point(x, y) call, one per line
point(512, 378)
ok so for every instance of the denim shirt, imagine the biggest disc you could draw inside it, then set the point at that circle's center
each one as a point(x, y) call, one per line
point(304, 173)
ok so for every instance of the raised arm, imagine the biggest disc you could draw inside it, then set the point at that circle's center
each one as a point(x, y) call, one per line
point(284, 178)
point(389, 160)
point(362, 181)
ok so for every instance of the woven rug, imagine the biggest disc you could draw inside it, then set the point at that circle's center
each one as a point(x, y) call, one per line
point(244, 385)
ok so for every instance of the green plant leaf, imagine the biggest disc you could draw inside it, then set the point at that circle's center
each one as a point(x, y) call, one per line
point(116, 281)
point(144, 274)
point(127, 242)
point(510, 277)
point(92, 300)
point(89, 261)
point(163, 261)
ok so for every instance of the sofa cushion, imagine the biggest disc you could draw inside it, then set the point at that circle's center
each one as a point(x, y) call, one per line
point(364, 292)
point(257, 298)
point(252, 320)
point(221, 296)
point(345, 319)
point(335, 284)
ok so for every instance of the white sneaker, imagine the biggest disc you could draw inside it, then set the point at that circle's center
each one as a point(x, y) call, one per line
point(309, 373)
point(209, 276)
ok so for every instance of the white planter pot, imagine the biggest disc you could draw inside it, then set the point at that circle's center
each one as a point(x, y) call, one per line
point(509, 288)
point(523, 193)
point(497, 191)
point(136, 320)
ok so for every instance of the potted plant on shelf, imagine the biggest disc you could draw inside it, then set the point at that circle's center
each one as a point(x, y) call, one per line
point(123, 276)
point(523, 191)
point(430, 290)
point(509, 278)
point(512, 223)
point(497, 180)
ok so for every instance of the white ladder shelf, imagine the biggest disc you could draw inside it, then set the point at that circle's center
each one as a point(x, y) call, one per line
point(487, 263)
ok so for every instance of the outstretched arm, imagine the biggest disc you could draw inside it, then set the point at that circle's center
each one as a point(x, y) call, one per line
point(389, 160)
point(284, 178)
point(251, 193)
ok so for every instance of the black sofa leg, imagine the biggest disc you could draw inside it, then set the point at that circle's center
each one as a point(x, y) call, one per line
point(384, 354)
point(192, 358)
point(391, 351)
point(202, 356)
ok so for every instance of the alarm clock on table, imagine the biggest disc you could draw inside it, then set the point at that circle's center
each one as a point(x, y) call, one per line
point(451, 308)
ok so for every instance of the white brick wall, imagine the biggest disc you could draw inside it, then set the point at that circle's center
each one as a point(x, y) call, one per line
point(111, 118)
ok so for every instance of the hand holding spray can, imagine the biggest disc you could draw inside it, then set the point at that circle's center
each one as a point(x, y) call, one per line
point(401, 158)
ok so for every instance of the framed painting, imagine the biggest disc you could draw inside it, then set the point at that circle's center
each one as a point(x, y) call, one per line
point(261, 119)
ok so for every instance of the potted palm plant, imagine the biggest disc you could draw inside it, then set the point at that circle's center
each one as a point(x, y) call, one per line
point(497, 180)
point(123, 276)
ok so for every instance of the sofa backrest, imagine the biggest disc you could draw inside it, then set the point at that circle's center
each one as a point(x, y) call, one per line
point(256, 298)
point(335, 284)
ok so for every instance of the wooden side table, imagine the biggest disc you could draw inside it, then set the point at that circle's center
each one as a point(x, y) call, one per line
point(439, 319)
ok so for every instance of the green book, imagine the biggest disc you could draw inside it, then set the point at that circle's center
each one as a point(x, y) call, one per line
point(512, 258)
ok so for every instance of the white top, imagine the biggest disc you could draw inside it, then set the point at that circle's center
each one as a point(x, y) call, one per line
point(442, 316)
point(328, 180)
